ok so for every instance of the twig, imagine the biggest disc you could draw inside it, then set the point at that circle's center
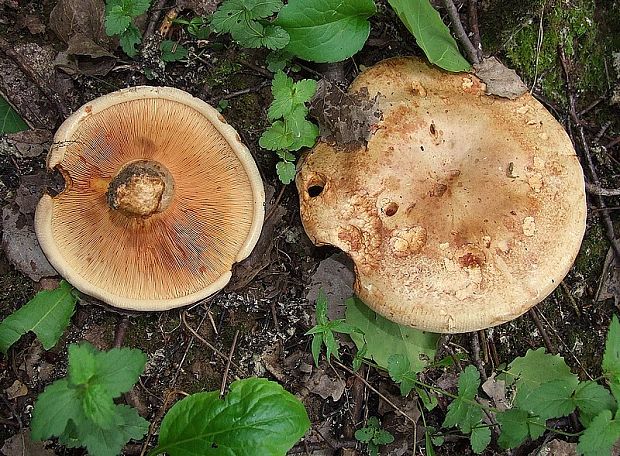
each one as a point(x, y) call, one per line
point(238, 93)
point(262, 71)
point(613, 143)
point(570, 297)
point(374, 390)
point(50, 94)
point(550, 348)
point(273, 207)
point(307, 447)
point(475, 348)
point(189, 346)
point(472, 15)
point(159, 416)
point(230, 355)
point(459, 31)
point(596, 190)
point(156, 11)
point(204, 341)
point(121, 330)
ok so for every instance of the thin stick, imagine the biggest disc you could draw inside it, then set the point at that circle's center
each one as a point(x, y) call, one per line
point(374, 390)
point(596, 190)
point(472, 15)
point(159, 416)
point(273, 207)
point(238, 93)
point(570, 297)
point(204, 341)
point(156, 11)
point(230, 355)
point(532, 313)
point(459, 31)
point(121, 330)
point(475, 348)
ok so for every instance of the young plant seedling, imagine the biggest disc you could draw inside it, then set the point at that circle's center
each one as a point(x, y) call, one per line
point(373, 435)
point(119, 21)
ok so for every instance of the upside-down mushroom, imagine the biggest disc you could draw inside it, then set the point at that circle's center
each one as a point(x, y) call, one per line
point(462, 212)
point(161, 198)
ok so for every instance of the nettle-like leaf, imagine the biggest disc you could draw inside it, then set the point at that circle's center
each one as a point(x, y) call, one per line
point(431, 34)
point(171, 51)
point(600, 436)
point(611, 357)
point(10, 122)
point(80, 408)
point(462, 411)
point(400, 371)
point(552, 399)
point(47, 315)
point(116, 21)
point(276, 137)
point(514, 427)
point(288, 94)
point(256, 417)
point(385, 338)
point(591, 399)
point(254, 35)
point(326, 30)
point(286, 171)
point(129, 39)
point(480, 438)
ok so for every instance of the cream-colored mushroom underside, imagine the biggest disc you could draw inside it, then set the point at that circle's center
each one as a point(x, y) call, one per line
point(464, 210)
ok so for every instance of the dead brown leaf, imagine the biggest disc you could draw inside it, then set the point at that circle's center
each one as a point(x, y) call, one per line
point(610, 279)
point(556, 448)
point(22, 445)
point(322, 384)
point(500, 80)
point(335, 277)
point(31, 143)
point(17, 389)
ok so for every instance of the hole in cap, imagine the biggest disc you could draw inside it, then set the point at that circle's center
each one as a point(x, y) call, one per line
point(390, 209)
point(315, 185)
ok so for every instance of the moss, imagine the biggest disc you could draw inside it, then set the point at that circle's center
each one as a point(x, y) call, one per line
point(591, 257)
point(572, 25)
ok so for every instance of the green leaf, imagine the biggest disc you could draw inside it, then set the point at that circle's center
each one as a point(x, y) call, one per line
point(98, 406)
point(118, 369)
point(303, 131)
point(54, 407)
point(386, 338)
point(514, 427)
point(256, 417)
point(47, 315)
point(82, 364)
point(429, 399)
point(534, 369)
point(611, 357)
point(600, 436)
point(137, 7)
point(326, 30)
point(264, 8)
point(321, 308)
point(364, 434)
point(331, 345)
point(431, 34)
point(281, 89)
point(116, 20)
point(286, 171)
point(285, 155)
point(275, 37)
point(129, 39)
point(278, 60)
point(461, 411)
point(317, 343)
point(10, 122)
point(480, 438)
point(254, 35)
point(400, 372)
point(171, 51)
point(276, 137)
point(552, 399)
point(382, 437)
point(230, 15)
point(198, 28)
point(591, 399)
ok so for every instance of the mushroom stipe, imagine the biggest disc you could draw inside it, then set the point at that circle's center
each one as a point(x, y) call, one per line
point(462, 211)
point(161, 198)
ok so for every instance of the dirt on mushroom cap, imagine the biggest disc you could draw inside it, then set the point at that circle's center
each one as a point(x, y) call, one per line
point(463, 211)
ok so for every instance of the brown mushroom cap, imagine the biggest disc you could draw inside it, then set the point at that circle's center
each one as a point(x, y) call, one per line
point(463, 211)
point(160, 199)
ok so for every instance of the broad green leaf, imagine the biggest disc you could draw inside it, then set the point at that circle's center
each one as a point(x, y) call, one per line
point(254, 35)
point(54, 407)
point(591, 399)
point(304, 133)
point(276, 137)
point(462, 412)
point(514, 428)
point(431, 34)
point(321, 308)
point(118, 369)
point(480, 438)
point(552, 399)
point(326, 30)
point(386, 338)
point(264, 8)
point(536, 426)
point(137, 7)
point(82, 364)
point(10, 122)
point(116, 20)
point(534, 369)
point(278, 60)
point(611, 357)
point(331, 345)
point(400, 372)
point(382, 437)
point(98, 406)
point(47, 315)
point(257, 417)
point(275, 37)
point(129, 39)
point(429, 399)
point(600, 436)
point(171, 51)
point(364, 434)
point(286, 171)
point(230, 15)
point(281, 89)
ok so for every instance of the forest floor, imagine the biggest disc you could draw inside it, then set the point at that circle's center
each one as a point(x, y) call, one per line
point(564, 50)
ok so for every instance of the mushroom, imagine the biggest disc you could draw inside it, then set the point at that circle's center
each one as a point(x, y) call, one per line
point(462, 211)
point(161, 198)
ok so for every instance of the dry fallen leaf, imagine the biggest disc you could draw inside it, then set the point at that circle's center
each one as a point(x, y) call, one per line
point(496, 390)
point(325, 386)
point(31, 143)
point(22, 445)
point(500, 80)
point(17, 389)
point(610, 280)
point(556, 448)
point(335, 277)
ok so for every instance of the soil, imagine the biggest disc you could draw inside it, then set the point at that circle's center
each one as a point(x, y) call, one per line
point(266, 302)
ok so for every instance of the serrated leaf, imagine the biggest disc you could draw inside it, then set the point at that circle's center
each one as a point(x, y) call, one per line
point(265, 8)
point(53, 409)
point(137, 7)
point(10, 122)
point(171, 51)
point(285, 155)
point(386, 338)
point(431, 34)
point(514, 428)
point(600, 436)
point(303, 91)
point(274, 37)
point(536, 426)
point(98, 406)
point(591, 399)
point(230, 15)
point(278, 60)
point(382, 437)
point(534, 369)
point(461, 411)
point(326, 30)
point(611, 357)
point(256, 417)
point(364, 434)
point(399, 369)
point(129, 39)
point(552, 399)
point(276, 137)
point(303, 131)
point(116, 20)
point(281, 89)
point(47, 315)
point(480, 438)
point(119, 369)
point(82, 365)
